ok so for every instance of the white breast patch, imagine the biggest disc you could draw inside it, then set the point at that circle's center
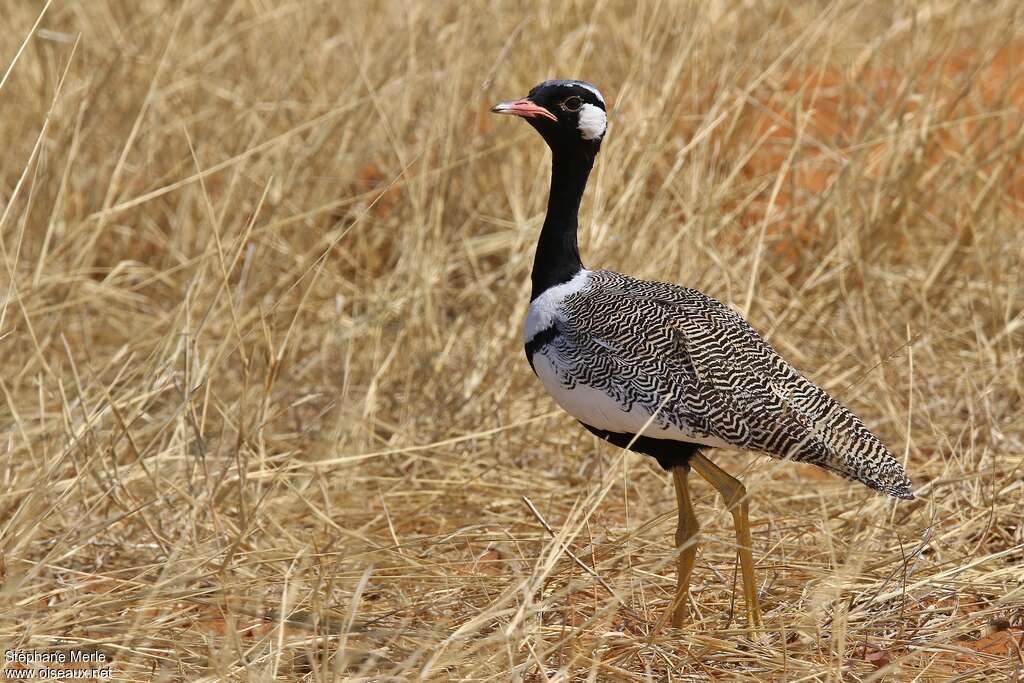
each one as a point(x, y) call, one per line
point(545, 309)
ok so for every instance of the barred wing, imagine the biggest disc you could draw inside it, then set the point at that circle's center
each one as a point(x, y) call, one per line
point(711, 374)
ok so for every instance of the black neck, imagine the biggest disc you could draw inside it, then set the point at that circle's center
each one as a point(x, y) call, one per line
point(558, 255)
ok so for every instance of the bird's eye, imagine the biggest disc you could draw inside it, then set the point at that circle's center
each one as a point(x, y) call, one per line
point(572, 104)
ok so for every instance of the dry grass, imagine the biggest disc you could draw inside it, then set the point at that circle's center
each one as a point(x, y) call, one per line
point(263, 402)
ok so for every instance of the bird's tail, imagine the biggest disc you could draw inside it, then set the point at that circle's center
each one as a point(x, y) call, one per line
point(850, 450)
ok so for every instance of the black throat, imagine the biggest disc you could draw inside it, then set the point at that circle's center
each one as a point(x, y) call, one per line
point(558, 254)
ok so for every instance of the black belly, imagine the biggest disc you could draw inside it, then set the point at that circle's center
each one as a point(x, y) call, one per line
point(667, 452)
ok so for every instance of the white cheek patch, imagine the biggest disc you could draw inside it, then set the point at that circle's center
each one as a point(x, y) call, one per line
point(593, 121)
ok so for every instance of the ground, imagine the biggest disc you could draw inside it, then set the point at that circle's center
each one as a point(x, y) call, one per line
point(263, 400)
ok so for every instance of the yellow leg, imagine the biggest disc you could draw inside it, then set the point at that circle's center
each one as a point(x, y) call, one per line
point(686, 540)
point(735, 495)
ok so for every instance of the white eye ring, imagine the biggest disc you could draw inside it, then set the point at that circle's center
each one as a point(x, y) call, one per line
point(575, 101)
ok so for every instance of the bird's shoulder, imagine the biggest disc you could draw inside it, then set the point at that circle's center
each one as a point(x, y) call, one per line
point(665, 318)
point(618, 294)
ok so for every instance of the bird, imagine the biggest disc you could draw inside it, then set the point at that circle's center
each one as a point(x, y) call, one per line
point(667, 371)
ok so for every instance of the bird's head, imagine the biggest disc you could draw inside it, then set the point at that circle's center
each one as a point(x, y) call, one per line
point(567, 114)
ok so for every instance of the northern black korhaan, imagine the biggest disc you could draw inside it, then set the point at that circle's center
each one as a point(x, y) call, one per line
point(666, 370)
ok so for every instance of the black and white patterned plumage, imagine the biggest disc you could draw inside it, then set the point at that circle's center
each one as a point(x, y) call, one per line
point(614, 351)
point(663, 369)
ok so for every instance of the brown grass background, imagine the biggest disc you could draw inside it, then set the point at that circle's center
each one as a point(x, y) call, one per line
point(263, 404)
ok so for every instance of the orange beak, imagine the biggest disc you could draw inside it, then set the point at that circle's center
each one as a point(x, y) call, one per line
point(524, 108)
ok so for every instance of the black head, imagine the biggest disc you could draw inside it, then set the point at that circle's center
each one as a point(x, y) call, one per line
point(566, 114)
